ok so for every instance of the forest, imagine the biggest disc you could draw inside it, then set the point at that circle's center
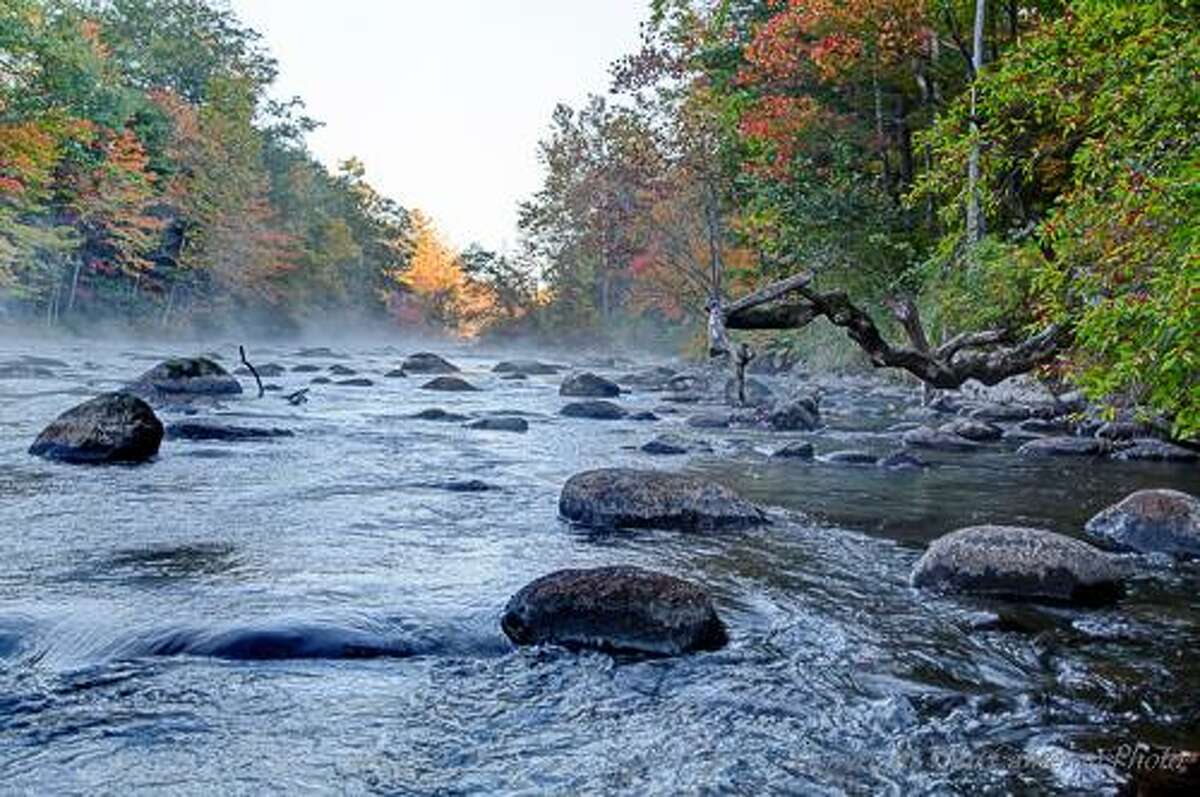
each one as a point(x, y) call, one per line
point(954, 188)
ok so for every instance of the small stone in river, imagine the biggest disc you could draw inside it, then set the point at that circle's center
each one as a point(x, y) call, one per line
point(614, 609)
point(627, 498)
point(926, 437)
point(435, 414)
point(115, 427)
point(1066, 447)
point(644, 415)
point(666, 444)
point(466, 486)
point(306, 368)
point(450, 384)
point(503, 423)
point(428, 363)
point(718, 420)
point(526, 367)
point(595, 410)
point(1151, 521)
point(1019, 563)
point(395, 373)
point(972, 429)
point(588, 385)
point(794, 450)
point(341, 370)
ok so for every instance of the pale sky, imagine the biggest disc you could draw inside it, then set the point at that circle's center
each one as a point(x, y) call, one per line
point(444, 100)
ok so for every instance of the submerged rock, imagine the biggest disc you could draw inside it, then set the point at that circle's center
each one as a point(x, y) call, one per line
point(463, 486)
point(450, 384)
point(428, 363)
point(588, 385)
point(527, 367)
point(794, 450)
point(435, 414)
point(115, 427)
point(1151, 521)
point(192, 376)
point(595, 410)
point(24, 370)
point(503, 423)
point(1019, 563)
point(614, 609)
point(1066, 447)
point(189, 430)
point(627, 498)
point(971, 429)
point(306, 368)
point(935, 440)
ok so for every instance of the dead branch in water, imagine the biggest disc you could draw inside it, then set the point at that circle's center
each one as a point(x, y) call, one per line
point(245, 362)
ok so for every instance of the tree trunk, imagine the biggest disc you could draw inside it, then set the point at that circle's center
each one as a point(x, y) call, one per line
point(974, 220)
point(74, 285)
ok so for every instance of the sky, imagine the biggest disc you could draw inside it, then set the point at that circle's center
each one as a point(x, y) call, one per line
point(444, 100)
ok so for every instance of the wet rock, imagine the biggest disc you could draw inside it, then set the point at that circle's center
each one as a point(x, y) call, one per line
point(1019, 563)
point(464, 486)
point(1066, 447)
point(614, 609)
point(971, 429)
point(500, 424)
point(849, 458)
point(341, 370)
point(795, 415)
point(320, 380)
point(189, 376)
point(356, 382)
point(595, 410)
point(1001, 412)
point(626, 498)
point(1151, 521)
point(1122, 430)
point(935, 440)
point(306, 368)
point(712, 420)
point(902, 460)
point(794, 450)
point(527, 367)
point(1149, 449)
point(395, 373)
point(666, 445)
point(435, 414)
point(449, 384)
point(115, 427)
point(190, 430)
point(644, 415)
point(1041, 426)
point(428, 363)
point(757, 393)
point(588, 385)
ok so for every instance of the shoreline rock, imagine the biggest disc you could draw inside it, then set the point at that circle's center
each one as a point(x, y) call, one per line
point(1151, 521)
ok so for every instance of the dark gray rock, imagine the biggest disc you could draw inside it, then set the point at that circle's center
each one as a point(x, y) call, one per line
point(849, 458)
point(341, 370)
point(428, 363)
point(794, 450)
point(971, 429)
point(514, 377)
point(614, 609)
point(502, 423)
point(115, 427)
point(666, 445)
point(799, 414)
point(588, 385)
point(1019, 563)
point(712, 420)
point(358, 381)
point(1041, 426)
point(1151, 521)
point(450, 384)
point(757, 393)
point(1149, 449)
point(626, 498)
point(1122, 430)
point(527, 367)
point(464, 486)
point(934, 440)
point(395, 373)
point(1066, 447)
point(193, 376)
point(435, 414)
point(320, 380)
point(902, 460)
point(644, 415)
point(594, 410)
point(1001, 412)
point(306, 368)
point(194, 430)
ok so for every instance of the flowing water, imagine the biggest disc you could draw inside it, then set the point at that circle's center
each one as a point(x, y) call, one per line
point(320, 613)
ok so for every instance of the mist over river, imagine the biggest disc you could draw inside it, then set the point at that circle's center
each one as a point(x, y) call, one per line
point(319, 613)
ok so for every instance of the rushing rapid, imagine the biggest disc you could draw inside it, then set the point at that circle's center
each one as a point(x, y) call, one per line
point(320, 612)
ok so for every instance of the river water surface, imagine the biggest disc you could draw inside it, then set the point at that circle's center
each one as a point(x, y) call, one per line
point(319, 613)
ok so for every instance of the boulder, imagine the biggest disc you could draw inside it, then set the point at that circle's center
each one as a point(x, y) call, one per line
point(757, 393)
point(971, 429)
point(588, 385)
point(1151, 521)
point(187, 376)
point(428, 363)
point(115, 427)
point(595, 410)
point(935, 440)
point(194, 430)
point(1066, 447)
point(527, 367)
point(627, 498)
point(794, 450)
point(435, 414)
point(449, 384)
point(503, 423)
point(795, 415)
point(1019, 563)
point(614, 609)
point(1149, 449)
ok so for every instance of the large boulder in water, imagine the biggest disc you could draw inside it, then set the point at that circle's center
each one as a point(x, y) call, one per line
point(614, 609)
point(186, 376)
point(799, 414)
point(115, 427)
point(588, 385)
point(1019, 563)
point(1151, 521)
point(428, 363)
point(627, 498)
